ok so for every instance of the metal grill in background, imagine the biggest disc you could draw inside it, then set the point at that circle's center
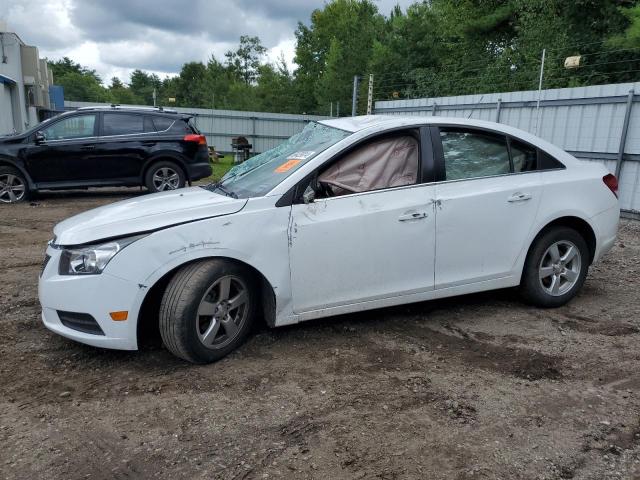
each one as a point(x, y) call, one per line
point(263, 130)
point(598, 123)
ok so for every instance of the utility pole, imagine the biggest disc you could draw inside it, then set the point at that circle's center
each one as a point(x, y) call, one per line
point(331, 109)
point(544, 51)
point(370, 95)
point(354, 99)
point(337, 109)
point(154, 96)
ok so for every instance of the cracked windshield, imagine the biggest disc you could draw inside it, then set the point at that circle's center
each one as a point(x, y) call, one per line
point(260, 174)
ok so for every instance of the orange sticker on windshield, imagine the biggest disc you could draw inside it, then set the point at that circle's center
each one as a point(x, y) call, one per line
point(286, 166)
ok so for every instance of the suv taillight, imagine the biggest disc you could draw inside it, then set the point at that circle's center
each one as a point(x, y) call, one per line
point(199, 139)
point(612, 182)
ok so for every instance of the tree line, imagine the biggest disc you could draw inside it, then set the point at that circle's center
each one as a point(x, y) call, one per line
point(434, 48)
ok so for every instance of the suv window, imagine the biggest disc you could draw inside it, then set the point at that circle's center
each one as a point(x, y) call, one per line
point(78, 126)
point(472, 153)
point(390, 161)
point(162, 123)
point(122, 124)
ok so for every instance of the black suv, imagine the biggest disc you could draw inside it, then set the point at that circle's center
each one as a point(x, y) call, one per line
point(104, 146)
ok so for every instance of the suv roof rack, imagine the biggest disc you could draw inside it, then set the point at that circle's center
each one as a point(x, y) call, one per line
point(114, 106)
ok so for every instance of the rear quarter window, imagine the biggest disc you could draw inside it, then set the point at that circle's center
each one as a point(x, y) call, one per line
point(163, 123)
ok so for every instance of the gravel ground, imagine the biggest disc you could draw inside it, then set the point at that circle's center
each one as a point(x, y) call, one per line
point(473, 387)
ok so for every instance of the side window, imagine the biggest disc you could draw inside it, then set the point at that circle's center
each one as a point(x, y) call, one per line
point(523, 156)
point(78, 126)
point(122, 124)
point(387, 162)
point(472, 154)
point(148, 124)
point(162, 123)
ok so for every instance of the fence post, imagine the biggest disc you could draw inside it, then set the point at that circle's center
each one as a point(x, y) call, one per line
point(354, 98)
point(623, 136)
point(370, 94)
point(544, 52)
point(433, 109)
point(498, 106)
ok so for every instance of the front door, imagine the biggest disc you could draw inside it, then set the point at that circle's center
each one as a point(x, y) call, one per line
point(372, 237)
point(67, 152)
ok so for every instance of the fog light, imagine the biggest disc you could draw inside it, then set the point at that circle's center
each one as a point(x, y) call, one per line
point(119, 316)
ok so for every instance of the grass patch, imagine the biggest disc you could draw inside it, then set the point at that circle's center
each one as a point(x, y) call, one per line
point(222, 166)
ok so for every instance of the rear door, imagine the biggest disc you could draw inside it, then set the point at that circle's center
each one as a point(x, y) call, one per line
point(123, 146)
point(67, 152)
point(486, 204)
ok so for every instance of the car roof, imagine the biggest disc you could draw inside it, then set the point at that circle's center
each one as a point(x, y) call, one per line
point(383, 122)
point(126, 109)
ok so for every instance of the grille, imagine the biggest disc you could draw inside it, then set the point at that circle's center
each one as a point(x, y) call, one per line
point(44, 264)
point(82, 322)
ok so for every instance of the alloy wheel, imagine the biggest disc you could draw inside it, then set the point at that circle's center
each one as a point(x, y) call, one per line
point(12, 188)
point(166, 178)
point(559, 268)
point(222, 312)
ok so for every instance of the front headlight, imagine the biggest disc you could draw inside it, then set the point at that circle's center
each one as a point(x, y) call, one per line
point(92, 259)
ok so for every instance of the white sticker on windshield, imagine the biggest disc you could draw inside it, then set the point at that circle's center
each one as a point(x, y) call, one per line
point(301, 155)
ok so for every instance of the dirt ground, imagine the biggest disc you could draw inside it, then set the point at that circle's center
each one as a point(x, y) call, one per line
point(474, 387)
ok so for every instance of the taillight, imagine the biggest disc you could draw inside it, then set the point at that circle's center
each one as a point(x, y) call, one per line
point(612, 182)
point(199, 139)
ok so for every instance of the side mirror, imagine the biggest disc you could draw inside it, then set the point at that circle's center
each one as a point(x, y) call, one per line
point(309, 194)
point(40, 138)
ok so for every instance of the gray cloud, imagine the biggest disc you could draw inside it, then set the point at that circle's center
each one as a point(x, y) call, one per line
point(117, 36)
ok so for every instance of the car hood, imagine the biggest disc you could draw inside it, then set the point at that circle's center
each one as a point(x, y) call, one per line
point(144, 214)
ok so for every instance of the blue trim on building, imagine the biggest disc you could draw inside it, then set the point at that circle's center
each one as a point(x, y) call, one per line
point(7, 80)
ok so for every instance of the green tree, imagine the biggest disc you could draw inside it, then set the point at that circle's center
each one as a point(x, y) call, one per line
point(120, 94)
point(246, 59)
point(337, 43)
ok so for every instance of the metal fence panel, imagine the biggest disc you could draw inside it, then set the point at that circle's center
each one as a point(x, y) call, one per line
point(263, 130)
point(586, 121)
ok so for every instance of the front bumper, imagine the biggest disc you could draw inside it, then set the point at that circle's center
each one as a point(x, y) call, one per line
point(96, 295)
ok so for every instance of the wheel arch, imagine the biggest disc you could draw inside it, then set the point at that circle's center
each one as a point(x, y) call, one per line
point(165, 157)
point(148, 315)
point(8, 163)
point(579, 224)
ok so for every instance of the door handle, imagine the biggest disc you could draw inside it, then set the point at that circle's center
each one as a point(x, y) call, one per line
point(87, 147)
point(519, 197)
point(407, 217)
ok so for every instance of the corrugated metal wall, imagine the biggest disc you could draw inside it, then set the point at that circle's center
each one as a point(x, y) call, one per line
point(263, 130)
point(586, 121)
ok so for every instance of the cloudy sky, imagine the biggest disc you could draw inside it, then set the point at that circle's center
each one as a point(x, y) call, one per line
point(115, 37)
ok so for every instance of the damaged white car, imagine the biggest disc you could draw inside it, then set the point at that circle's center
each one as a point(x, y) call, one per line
point(348, 215)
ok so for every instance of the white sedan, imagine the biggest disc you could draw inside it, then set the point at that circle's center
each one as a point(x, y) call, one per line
point(350, 214)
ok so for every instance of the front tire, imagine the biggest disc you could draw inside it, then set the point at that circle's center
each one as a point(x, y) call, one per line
point(207, 310)
point(556, 268)
point(13, 186)
point(163, 176)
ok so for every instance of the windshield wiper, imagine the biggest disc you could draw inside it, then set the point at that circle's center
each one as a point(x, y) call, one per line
point(228, 193)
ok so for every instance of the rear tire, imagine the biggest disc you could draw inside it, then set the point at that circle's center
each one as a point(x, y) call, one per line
point(163, 176)
point(207, 310)
point(556, 268)
point(13, 185)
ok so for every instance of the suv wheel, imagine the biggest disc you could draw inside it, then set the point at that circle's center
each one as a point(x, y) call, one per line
point(163, 176)
point(556, 268)
point(13, 185)
point(207, 310)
